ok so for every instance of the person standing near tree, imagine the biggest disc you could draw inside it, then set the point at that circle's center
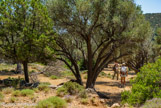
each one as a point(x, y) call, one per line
point(116, 70)
point(123, 74)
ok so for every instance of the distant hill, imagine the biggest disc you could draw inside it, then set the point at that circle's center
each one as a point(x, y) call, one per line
point(154, 19)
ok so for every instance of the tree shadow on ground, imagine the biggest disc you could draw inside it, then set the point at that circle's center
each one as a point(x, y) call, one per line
point(117, 84)
point(110, 98)
point(7, 72)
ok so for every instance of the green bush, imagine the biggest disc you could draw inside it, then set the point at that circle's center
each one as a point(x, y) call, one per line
point(145, 86)
point(27, 92)
point(36, 90)
point(16, 93)
point(52, 102)
point(103, 74)
point(85, 77)
point(54, 77)
point(1, 97)
point(43, 87)
point(7, 90)
point(70, 88)
point(84, 101)
point(14, 82)
point(83, 94)
point(13, 99)
point(153, 103)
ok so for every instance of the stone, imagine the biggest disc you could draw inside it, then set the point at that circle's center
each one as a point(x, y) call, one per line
point(90, 90)
point(115, 105)
point(58, 86)
point(102, 100)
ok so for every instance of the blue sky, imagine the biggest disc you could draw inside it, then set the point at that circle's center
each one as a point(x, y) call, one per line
point(150, 6)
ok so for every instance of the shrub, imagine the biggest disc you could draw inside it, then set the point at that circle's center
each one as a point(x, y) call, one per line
point(108, 75)
point(47, 74)
point(154, 103)
point(84, 71)
point(146, 85)
point(52, 102)
point(32, 98)
point(7, 90)
point(36, 90)
point(27, 92)
point(67, 73)
point(83, 94)
point(84, 101)
point(61, 91)
point(54, 77)
point(102, 74)
point(71, 88)
point(33, 71)
point(43, 87)
point(16, 93)
point(68, 98)
point(85, 77)
point(14, 82)
point(13, 99)
point(1, 97)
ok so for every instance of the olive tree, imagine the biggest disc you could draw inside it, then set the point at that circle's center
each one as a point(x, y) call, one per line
point(96, 30)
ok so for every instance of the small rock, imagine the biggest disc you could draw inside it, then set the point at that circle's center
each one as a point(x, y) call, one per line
point(115, 105)
point(58, 86)
point(102, 100)
point(52, 86)
point(90, 90)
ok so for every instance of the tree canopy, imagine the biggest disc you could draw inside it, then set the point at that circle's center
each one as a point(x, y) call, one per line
point(96, 29)
point(25, 31)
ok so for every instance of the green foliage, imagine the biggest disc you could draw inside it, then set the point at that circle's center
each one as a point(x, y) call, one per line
point(27, 92)
point(83, 94)
point(52, 102)
point(84, 101)
point(54, 77)
point(84, 72)
point(36, 90)
point(67, 73)
point(82, 65)
point(68, 98)
point(16, 93)
point(43, 87)
point(71, 88)
point(99, 30)
point(15, 82)
point(102, 74)
point(153, 103)
point(33, 71)
point(85, 77)
point(154, 19)
point(146, 85)
point(7, 90)
point(13, 99)
point(27, 32)
point(1, 97)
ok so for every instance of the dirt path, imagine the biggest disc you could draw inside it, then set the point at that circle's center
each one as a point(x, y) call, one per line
point(111, 88)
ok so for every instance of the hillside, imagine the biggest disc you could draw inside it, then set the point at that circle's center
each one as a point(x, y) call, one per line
point(154, 19)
